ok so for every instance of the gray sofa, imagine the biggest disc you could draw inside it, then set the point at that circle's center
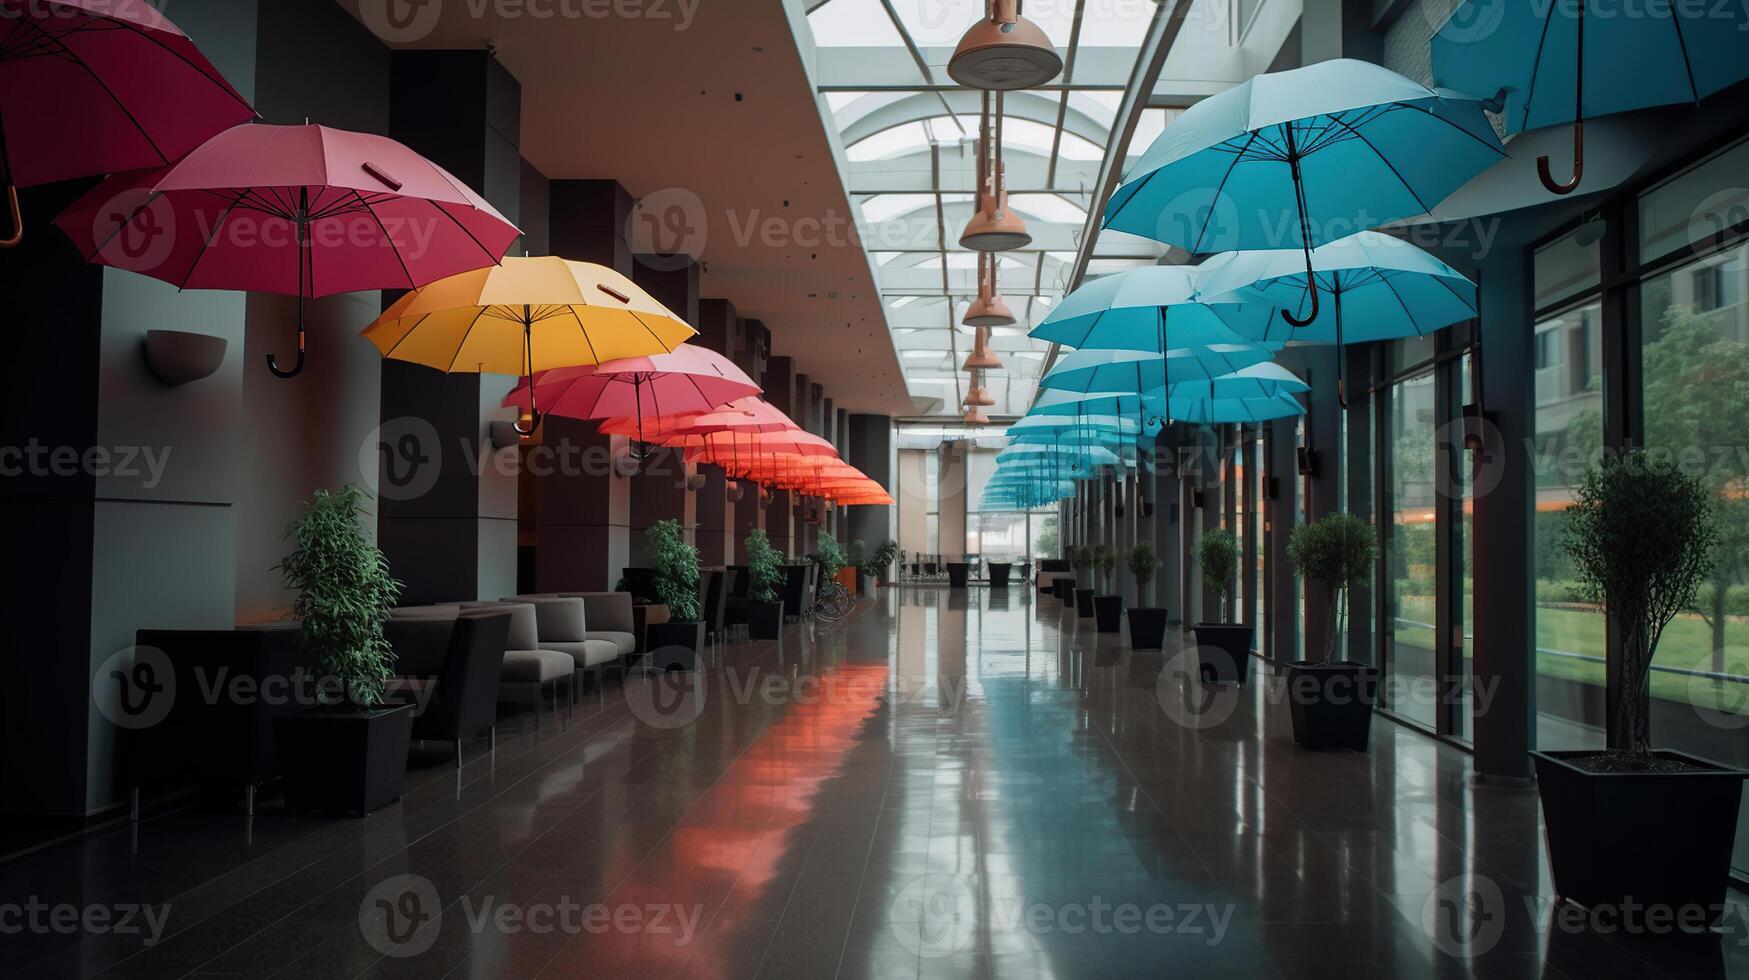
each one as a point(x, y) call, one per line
point(563, 625)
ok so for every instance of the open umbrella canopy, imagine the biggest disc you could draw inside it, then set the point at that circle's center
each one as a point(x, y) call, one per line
point(527, 314)
point(1380, 287)
point(1091, 456)
point(750, 414)
point(1067, 405)
point(1226, 410)
point(691, 379)
point(1131, 310)
point(738, 447)
point(1032, 424)
point(1109, 437)
point(92, 87)
point(1257, 381)
point(1137, 372)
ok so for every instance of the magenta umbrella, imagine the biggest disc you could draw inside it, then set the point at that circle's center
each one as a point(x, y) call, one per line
point(691, 379)
point(93, 87)
point(296, 210)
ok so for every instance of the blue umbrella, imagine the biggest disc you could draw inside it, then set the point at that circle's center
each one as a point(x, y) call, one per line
point(1218, 411)
point(1532, 53)
point(1064, 404)
point(1341, 145)
point(1130, 311)
point(1257, 381)
point(1381, 288)
point(1136, 372)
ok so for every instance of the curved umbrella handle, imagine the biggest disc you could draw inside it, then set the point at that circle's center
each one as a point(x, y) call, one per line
point(534, 418)
point(1294, 321)
point(278, 372)
point(17, 219)
point(1548, 178)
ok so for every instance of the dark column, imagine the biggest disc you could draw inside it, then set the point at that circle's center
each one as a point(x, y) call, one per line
point(452, 534)
point(717, 326)
point(1280, 509)
point(751, 353)
point(582, 512)
point(659, 490)
point(1360, 491)
point(780, 390)
point(807, 415)
point(1317, 365)
point(1504, 599)
point(869, 448)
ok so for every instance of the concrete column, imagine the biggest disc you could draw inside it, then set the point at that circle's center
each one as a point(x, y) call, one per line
point(751, 353)
point(1175, 563)
point(1317, 365)
point(448, 520)
point(717, 326)
point(1360, 494)
point(1280, 507)
point(780, 391)
point(869, 445)
point(659, 490)
point(582, 535)
point(953, 502)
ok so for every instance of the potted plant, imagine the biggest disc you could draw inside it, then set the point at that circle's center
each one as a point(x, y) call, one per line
point(1063, 586)
point(1084, 562)
point(1223, 646)
point(349, 752)
point(1332, 699)
point(674, 645)
point(856, 556)
point(884, 557)
point(1147, 623)
point(1107, 608)
point(765, 578)
point(1641, 533)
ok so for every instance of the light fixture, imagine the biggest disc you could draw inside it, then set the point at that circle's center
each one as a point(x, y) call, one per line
point(988, 310)
point(995, 227)
point(734, 492)
point(1004, 51)
point(979, 395)
point(975, 416)
point(982, 357)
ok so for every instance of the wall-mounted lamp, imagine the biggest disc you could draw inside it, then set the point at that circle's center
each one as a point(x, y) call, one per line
point(504, 434)
point(695, 482)
point(176, 357)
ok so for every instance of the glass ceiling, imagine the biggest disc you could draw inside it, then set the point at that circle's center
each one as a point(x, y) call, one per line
point(909, 137)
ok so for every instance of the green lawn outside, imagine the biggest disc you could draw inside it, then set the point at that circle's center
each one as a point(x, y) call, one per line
point(1687, 643)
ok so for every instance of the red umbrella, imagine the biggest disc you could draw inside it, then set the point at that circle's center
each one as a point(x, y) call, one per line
point(691, 379)
point(98, 86)
point(297, 210)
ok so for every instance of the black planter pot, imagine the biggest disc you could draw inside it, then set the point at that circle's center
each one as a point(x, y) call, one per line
point(1332, 704)
point(999, 572)
point(674, 645)
point(956, 574)
point(1084, 602)
point(1108, 611)
point(343, 759)
point(1147, 629)
point(1611, 838)
point(1225, 649)
point(861, 583)
point(764, 620)
point(1064, 590)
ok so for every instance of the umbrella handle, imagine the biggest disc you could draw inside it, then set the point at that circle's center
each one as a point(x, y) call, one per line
point(1548, 178)
point(534, 417)
point(17, 218)
point(297, 366)
point(1294, 321)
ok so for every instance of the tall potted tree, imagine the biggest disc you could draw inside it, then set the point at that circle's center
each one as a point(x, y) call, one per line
point(765, 578)
point(1641, 533)
point(674, 645)
point(349, 752)
point(1223, 646)
point(1331, 700)
point(884, 557)
point(1147, 623)
point(1085, 562)
point(1107, 607)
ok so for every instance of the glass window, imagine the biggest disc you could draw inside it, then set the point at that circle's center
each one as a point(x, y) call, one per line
point(1695, 205)
point(1568, 266)
point(1570, 634)
point(1465, 571)
point(1410, 553)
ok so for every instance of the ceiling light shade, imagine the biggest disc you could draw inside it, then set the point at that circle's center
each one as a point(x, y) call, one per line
point(1003, 52)
point(995, 228)
point(975, 416)
point(982, 357)
point(979, 395)
point(988, 310)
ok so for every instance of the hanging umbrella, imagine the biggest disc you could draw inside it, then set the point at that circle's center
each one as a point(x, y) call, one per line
point(1381, 288)
point(1034, 424)
point(1531, 56)
point(1067, 404)
point(1340, 146)
point(792, 443)
point(91, 87)
point(751, 414)
point(1137, 372)
point(296, 210)
point(691, 379)
point(1130, 311)
point(526, 316)
point(1218, 410)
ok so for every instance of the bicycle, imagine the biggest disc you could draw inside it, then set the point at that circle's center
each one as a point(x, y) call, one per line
point(833, 603)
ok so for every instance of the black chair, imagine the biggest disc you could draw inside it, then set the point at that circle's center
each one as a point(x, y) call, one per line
point(641, 583)
point(715, 606)
point(795, 589)
point(461, 695)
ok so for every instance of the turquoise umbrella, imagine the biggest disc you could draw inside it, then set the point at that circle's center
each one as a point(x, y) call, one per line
point(1532, 54)
point(1340, 146)
point(1131, 311)
point(1124, 372)
point(1220, 411)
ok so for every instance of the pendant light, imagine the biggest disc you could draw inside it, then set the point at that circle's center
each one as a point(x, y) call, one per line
point(982, 357)
point(1004, 51)
point(989, 309)
point(979, 394)
point(975, 416)
point(994, 228)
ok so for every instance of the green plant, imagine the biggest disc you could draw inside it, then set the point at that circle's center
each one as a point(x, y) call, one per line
point(345, 593)
point(1642, 534)
point(676, 564)
point(883, 559)
point(1338, 550)
point(830, 558)
point(856, 556)
point(1103, 562)
point(764, 568)
point(1218, 554)
point(1081, 557)
point(1142, 563)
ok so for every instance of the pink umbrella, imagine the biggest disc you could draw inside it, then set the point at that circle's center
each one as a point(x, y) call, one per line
point(296, 210)
point(97, 86)
point(691, 379)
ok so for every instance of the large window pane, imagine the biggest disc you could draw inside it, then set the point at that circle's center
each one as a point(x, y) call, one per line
point(1567, 266)
point(1695, 205)
point(1570, 634)
point(1410, 553)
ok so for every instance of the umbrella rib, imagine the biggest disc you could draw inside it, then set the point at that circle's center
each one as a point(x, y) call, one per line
point(408, 333)
point(1468, 303)
point(152, 38)
point(1220, 187)
point(1682, 45)
point(593, 355)
point(1404, 304)
point(651, 332)
point(1495, 146)
point(1388, 164)
point(390, 239)
point(1536, 66)
point(469, 332)
point(438, 205)
point(208, 244)
point(119, 104)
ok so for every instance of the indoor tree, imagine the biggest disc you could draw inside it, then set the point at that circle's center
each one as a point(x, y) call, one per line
point(344, 595)
point(1338, 550)
point(1218, 554)
point(765, 576)
point(1142, 564)
point(676, 565)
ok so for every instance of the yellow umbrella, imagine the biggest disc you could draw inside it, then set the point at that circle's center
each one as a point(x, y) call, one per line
point(525, 316)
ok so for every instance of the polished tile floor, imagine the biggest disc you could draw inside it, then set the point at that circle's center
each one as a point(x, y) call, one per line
point(949, 785)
